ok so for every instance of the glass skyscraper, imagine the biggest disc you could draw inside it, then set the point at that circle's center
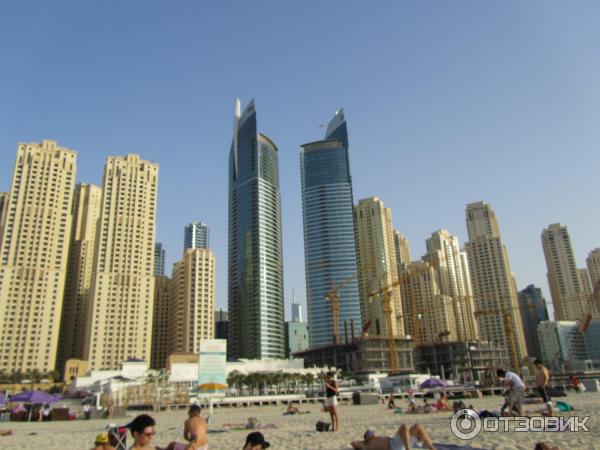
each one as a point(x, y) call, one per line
point(196, 235)
point(255, 288)
point(329, 235)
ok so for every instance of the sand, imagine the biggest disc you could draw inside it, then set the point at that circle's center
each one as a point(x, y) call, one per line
point(297, 432)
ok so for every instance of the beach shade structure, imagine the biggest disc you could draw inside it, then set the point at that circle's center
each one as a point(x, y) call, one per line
point(34, 397)
point(211, 387)
point(432, 383)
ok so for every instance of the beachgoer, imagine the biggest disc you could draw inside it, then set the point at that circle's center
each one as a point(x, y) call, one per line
point(143, 429)
point(194, 431)
point(87, 412)
point(291, 409)
point(516, 393)
point(331, 393)
point(544, 446)
point(575, 383)
point(405, 438)
point(391, 404)
point(542, 377)
point(255, 441)
point(102, 442)
point(442, 403)
point(7, 432)
point(427, 408)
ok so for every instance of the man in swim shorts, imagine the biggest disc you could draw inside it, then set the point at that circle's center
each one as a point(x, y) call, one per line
point(404, 439)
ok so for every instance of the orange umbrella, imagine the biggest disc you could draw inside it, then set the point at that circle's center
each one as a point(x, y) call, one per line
point(212, 386)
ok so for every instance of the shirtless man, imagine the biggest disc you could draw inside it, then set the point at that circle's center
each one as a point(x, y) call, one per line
point(405, 438)
point(542, 377)
point(143, 429)
point(194, 431)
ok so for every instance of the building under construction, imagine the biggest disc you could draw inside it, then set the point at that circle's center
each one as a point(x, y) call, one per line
point(465, 362)
point(361, 356)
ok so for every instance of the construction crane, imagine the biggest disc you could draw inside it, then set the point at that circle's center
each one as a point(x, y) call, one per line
point(593, 303)
point(388, 292)
point(334, 297)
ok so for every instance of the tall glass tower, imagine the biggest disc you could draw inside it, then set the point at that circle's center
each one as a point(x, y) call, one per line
point(329, 235)
point(196, 235)
point(255, 288)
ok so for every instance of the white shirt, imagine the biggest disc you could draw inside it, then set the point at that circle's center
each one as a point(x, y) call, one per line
point(516, 380)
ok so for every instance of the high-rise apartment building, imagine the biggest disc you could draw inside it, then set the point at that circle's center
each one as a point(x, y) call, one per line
point(296, 312)
point(569, 287)
point(159, 260)
point(255, 288)
point(494, 287)
point(561, 344)
point(452, 272)
point(80, 272)
point(402, 250)
point(196, 235)
point(123, 289)
point(160, 323)
point(192, 300)
point(533, 311)
point(429, 316)
point(329, 232)
point(33, 257)
point(4, 199)
point(221, 324)
point(377, 266)
point(593, 265)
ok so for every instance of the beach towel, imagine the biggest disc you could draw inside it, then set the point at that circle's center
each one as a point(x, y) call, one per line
point(439, 446)
point(564, 406)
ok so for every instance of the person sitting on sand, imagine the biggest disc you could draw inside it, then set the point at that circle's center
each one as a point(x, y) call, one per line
point(102, 442)
point(427, 407)
point(194, 431)
point(442, 403)
point(404, 439)
point(255, 441)
point(291, 409)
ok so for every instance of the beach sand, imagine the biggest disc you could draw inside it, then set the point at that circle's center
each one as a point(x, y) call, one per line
point(298, 431)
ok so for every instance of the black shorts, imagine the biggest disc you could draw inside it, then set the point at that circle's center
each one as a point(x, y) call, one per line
point(544, 394)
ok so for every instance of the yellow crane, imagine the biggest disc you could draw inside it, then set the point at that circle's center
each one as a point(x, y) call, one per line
point(334, 297)
point(388, 292)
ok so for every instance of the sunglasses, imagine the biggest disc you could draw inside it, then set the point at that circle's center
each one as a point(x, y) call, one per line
point(149, 434)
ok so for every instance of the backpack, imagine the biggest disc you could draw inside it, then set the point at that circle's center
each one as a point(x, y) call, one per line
point(323, 426)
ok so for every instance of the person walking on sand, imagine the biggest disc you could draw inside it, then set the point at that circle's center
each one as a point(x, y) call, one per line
point(331, 391)
point(516, 393)
point(404, 439)
point(542, 377)
point(194, 431)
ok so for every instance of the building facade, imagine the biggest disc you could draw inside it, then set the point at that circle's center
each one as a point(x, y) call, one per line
point(255, 287)
point(196, 235)
point(192, 301)
point(494, 287)
point(593, 265)
point(592, 340)
point(160, 323)
point(80, 272)
point(159, 260)
point(569, 287)
point(533, 311)
point(221, 324)
point(429, 315)
point(561, 344)
point(402, 250)
point(329, 232)
point(123, 288)
point(377, 266)
point(33, 257)
point(296, 337)
point(444, 255)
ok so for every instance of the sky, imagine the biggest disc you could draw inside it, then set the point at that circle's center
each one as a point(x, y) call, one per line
point(447, 103)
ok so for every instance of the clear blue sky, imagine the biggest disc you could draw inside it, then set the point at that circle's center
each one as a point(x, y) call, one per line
point(447, 103)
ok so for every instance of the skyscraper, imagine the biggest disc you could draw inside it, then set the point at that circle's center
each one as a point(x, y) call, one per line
point(159, 260)
point(196, 235)
point(494, 287)
point(377, 265)
point(296, 312)
point(593, 265)
point(569, 288)
point(329, 232)
point(533, 311)
point(4, 199)
point(160, 322)
point(255, 288)
point(80, 272)
point(192, 301)
point(444, 255)
point(402, 250)
point(561, 344)
point(33, 258)
point(123, 288)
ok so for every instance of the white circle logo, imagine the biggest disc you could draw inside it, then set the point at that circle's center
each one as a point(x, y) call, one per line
point(465, 424)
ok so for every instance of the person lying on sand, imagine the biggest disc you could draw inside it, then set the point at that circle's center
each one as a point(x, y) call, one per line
point(543, 446)
point(8, 432)
point(404, 439)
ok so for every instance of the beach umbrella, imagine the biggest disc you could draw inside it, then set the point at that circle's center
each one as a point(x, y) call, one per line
point(432, 383)
point(35, 397)
point(211, 387)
